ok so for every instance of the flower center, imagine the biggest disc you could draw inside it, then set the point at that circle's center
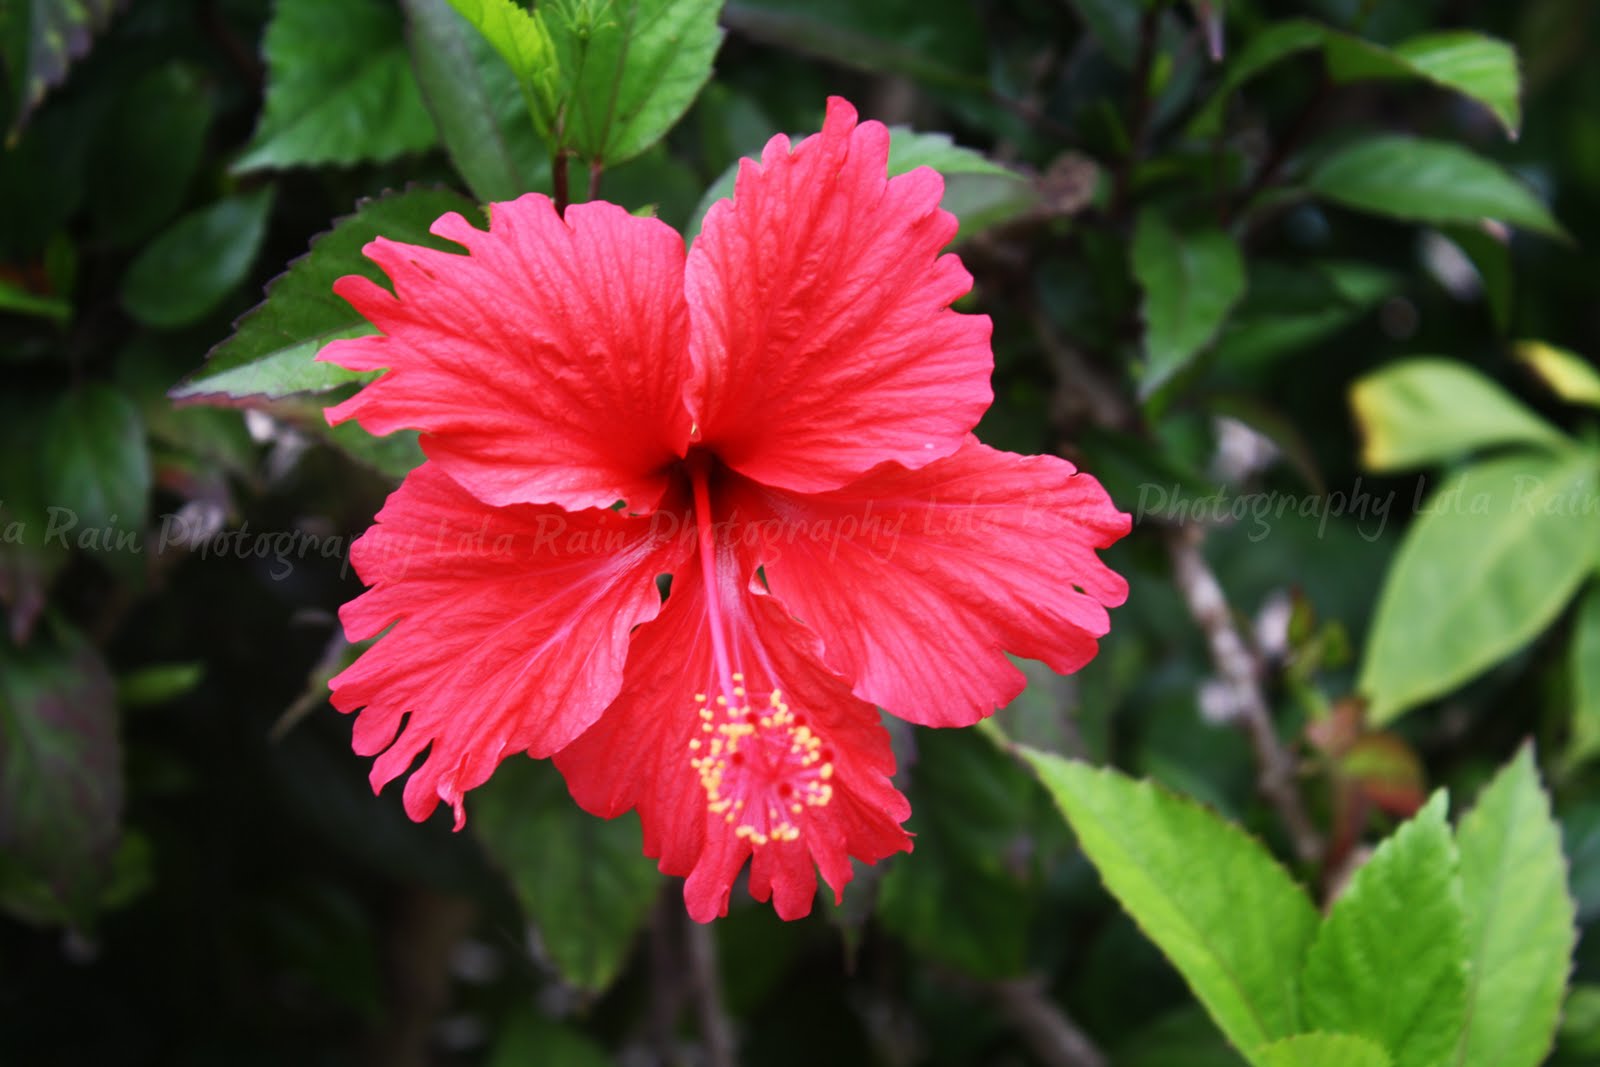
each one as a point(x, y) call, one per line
point(760, 767)
point(760, 764)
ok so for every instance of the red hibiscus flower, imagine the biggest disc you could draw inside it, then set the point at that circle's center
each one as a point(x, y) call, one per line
point(779, 420)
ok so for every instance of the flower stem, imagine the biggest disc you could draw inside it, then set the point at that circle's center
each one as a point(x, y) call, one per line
point(558, 181)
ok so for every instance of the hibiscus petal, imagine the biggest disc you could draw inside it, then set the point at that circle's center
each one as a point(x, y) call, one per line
point(797, 780)
point(823, 339)
point(919, 582)
point(546, 366)
point(507, 630)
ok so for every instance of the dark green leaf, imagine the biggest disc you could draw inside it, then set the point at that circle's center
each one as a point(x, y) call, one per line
point(1213, 900)
point(475, 101)
point(1490, 256)
point(60, 778)
point(530, 1038)
point(1262, 50)
point(1495, 554)
point(1290, 308)
point(95, 466)
point(40, 39)
point(1427, 181)
point(522, 37)
point(186, 272)
point(339, 88)
point(1580, 1028)
point(1184, 1038)
point(1521, 920)
point(948, 48)
point(1478, 67)
point(1390, 962)
point(583, 881)
point(1114, 23)
point(1191, 282)
point(957, 897)
point(270, 352)
point(147, 151)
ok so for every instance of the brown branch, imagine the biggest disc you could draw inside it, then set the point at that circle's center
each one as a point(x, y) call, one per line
point(426, 928)
point(1081, 390)
point(705, 985)
point(1284, 147)
point(1053, 1036)
point(1139, 111)
point(1239, 670)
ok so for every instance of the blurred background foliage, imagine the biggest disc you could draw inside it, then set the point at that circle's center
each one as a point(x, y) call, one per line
point(1239, 266)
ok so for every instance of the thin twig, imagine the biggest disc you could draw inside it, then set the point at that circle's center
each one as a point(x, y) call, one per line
point(1239, 670)
point(1080, 390)
point(706, 987)
point(1053, 1036)
point(1285, 147)
point(1139, 112)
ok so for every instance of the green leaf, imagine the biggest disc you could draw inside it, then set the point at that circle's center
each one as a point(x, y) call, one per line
point(1262, 50)
point(14, 298)
point(1213, 900)
point(1478, 67)
point(1521, 921)
point(1113, 23)
point(158, 683)
point(270, 352)
point(522, 38)
point(1490, 256)
point(1570, 376)
point(185, 273)
point(584, 881)
point(947, 47)
point(1428, 410)
point(1580, 1027)
point(1390, 962)
point(1492, 558)
point(96, 468)
point(40, 39)
point(630, 69)
point(1183, 1038)
point(955, 898)
point(1322, 1050)
point(1427, 181)
point(977, 190)
point(1290, 308)
point(1584, 674)
point(475, 102)
point(60, 778)
point(339, 88)
point(529, 1039)
point(909, 150)
point(1191, 281)
point(146, 153)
